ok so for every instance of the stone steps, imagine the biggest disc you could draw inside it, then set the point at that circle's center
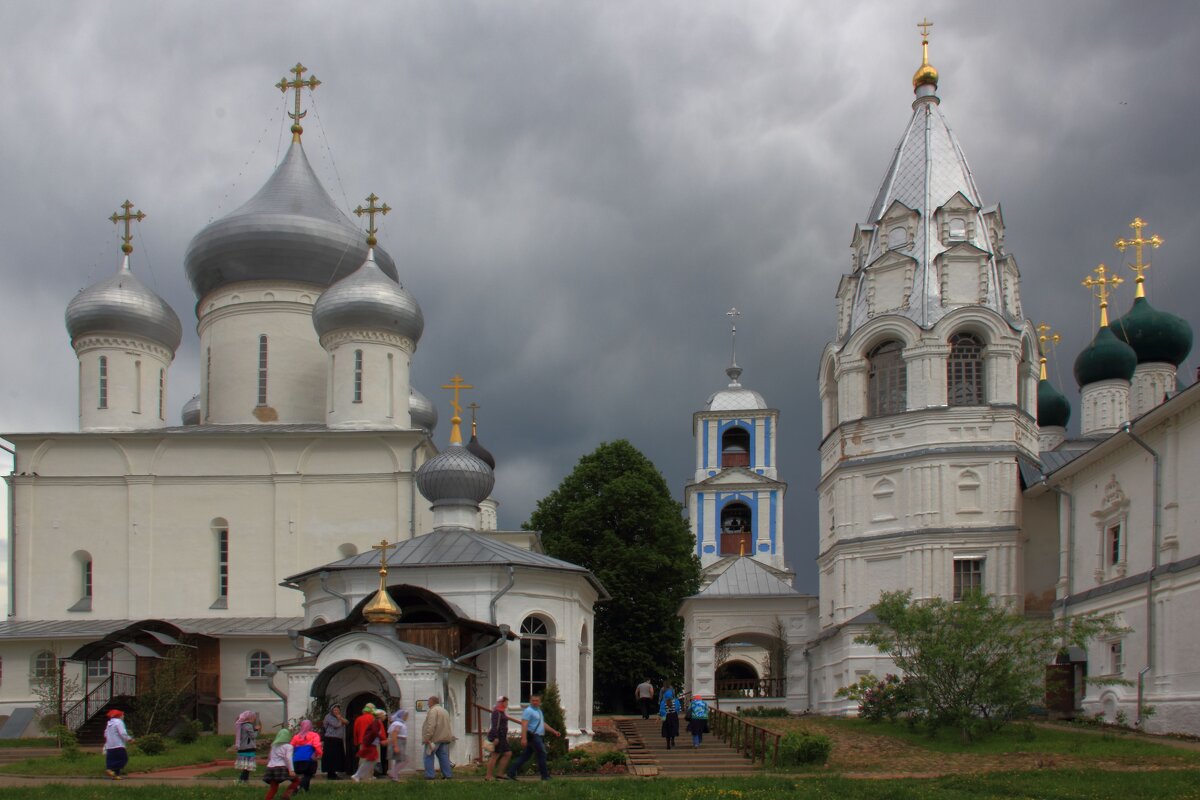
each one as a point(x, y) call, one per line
point(648, 753)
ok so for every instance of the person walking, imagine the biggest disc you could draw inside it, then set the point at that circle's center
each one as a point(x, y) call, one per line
point(245, 731)
point(697, 719)
point(368, 748)
point(645, 697)
point(498, 736)
point(116, 736)
point(306, 750)
point(668, 710)
point(333, 760)
point(280, 767)
point(398, 743)
point(533, 739)
point(436, 736)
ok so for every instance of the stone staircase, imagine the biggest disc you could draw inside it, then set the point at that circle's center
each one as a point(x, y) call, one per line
point(648, 753)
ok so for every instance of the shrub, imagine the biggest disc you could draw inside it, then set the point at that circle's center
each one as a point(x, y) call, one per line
point(802, 747)
point(67, 740)
point(151, 744)
point(188, 732)
point(556, 718)
point(763, 711)
point(612, 757)
point(878, 700)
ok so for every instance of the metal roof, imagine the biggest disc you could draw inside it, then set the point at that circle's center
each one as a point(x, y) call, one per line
point(747, 578)
point(208, 626)
point(123, 305)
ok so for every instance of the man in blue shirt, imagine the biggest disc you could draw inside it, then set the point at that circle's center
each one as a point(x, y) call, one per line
point(533, 733)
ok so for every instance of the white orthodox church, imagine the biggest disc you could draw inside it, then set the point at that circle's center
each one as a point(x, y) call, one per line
point(945, 467)
point(247, 535)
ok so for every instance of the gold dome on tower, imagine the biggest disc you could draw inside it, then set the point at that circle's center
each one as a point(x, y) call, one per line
point(925, 75)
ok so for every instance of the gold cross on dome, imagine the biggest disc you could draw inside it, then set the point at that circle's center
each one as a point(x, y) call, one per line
point(128, 219)
point(1046, 340)
point(925, 25)
point(1138, 242)
point(1101, 287)
point(456, 385)
point(371, 210)
point(383, 546)
point(284, 85)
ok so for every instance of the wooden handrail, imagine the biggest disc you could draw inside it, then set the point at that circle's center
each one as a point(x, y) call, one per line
point(745, 737)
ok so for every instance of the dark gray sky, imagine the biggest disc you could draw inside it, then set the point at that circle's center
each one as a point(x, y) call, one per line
point(582, 189)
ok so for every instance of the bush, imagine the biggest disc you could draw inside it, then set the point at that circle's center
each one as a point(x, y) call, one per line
point(612, 757)
point(802, 747)
point(151, 744)
point(763, 711)
point(67, 740)
point(188, 732)
point(556, 718)
point(878, 700)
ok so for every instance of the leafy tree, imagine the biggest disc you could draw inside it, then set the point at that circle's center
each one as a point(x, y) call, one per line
point(55, 692)
point(973, 665)
point(615, 515)
point(556, 746)
point(162, 696)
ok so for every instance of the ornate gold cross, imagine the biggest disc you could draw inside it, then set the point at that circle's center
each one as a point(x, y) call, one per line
point(1138, 242)
point(371, 210)
point(128, 219)
point(284, 85)
point(383, 547)
point(1046, 339)
point(456, 385)
point(474, 407)
point(1101, 287)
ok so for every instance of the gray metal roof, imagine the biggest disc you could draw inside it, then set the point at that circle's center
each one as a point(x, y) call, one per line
point(368, 299)
point(747, 578)
point(735, 397)
point(1065, 453)
point(123, 305)
point(456, 547)
point(291, 230)
point(208, 626)
point(190, 413)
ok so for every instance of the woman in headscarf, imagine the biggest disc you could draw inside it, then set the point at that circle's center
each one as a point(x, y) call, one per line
point(498, 737)
point(368, 748)
point(245, 732)
point(697, 719)
point(280, 767)
point(306, 749)
point(668, 710)
point(115, 739)
point(333, 760)
point(397, 739)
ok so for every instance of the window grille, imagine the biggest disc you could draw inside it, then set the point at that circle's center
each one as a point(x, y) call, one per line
point(887, 380)
point(103, 382)
point(262, 370)
point(223, 563)
point(535, 657)
point(259, 660)
point(358, 375)
point(964, 370)
point(968, 576)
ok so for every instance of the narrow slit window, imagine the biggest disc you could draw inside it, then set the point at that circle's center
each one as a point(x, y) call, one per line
point(137, 387)
point(87, 578)
point(358, 375)
point(162, 393)
point(223, 563)
point(103, 382)
point(262, 370)
point(391, 376)
point(207, 381)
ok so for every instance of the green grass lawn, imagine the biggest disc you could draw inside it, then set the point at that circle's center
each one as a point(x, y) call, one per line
point(205, 749)
point(1050, 785)
point(1020, 738)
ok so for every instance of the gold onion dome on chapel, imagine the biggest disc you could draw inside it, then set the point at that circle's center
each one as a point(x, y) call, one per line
point(925, 75)
point(382, 608)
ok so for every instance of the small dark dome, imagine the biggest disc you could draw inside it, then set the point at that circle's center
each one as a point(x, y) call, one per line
point(1053, 409)
point(455, 476)
point(191, 411)
point(1156, 336)
point(123, 305)
point(1106, 358)
point(421, 411)
point(481, 452)
point(368, 298)
point(291, 230)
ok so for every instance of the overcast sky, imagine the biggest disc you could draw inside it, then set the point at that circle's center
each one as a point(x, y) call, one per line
point(582, 189)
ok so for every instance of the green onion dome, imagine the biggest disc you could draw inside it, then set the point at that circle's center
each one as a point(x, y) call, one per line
point(1154, 335)
point(1106, 358)
point(1053, 409)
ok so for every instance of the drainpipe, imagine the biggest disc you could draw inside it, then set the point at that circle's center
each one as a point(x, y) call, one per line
point(272, 671)
point(504, 629)
point(294, 635)
point(324, 576)
point(808, 678)
point(512, 578)
point(12, 521)
point(1067, 569)
point(1155, 527)
point(412, 488)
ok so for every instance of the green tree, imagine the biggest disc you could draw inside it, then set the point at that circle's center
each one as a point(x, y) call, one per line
point(973, 665)
point(615, 515)
point(556, 718)
point(163, 695)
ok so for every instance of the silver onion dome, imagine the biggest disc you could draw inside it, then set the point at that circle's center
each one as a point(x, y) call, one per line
point(423, 413)
point(191, 411)
point(735, 397)
point(291, 230)
point(455, 476)
point(369, 299)
point(123, 305)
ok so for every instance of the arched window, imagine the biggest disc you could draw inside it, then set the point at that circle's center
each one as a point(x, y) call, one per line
point(887, 379)
point(535, 657)
point(103, 402)
point(259, 660)
point(207, 381)
point(262, 370)
point(883, 501)
point(958, 228)
point(44, 665)
point(737, 528)
point(964, 370)
point(897, 237)
point(735, 448)
point(358, 375)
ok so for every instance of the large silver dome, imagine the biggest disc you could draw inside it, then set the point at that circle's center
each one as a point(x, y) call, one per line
point(455, 476)
point(291, 230)
point(735, 397)
point(422, 411)
point(368, 298)
point(123, 305)
point(191, 411)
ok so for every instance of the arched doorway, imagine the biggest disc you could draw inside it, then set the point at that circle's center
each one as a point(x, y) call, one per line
point(751, 665)
point(737, 537)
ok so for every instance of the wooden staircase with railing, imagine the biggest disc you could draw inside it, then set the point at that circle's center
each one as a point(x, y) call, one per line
point(88, 717)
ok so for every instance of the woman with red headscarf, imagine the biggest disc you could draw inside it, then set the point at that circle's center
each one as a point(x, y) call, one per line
point(306, 749)
point(115, 739)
